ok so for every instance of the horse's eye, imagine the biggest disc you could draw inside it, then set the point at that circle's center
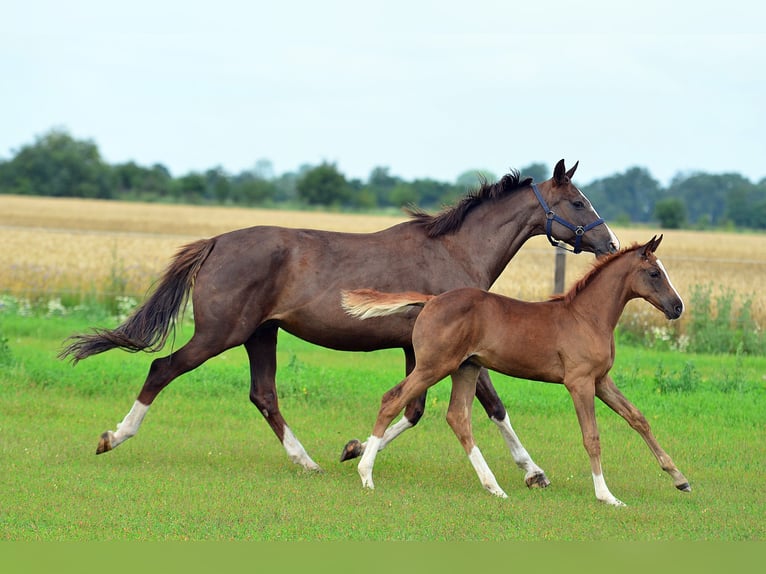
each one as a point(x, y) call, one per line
point(654, 273)
point(578, 204)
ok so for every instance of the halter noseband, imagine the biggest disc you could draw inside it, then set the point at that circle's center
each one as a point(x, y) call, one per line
point(550, 217)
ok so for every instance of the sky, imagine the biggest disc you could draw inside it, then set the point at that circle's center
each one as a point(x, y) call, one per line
point(429, 89)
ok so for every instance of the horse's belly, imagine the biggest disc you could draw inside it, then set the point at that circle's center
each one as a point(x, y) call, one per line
point(348, 334)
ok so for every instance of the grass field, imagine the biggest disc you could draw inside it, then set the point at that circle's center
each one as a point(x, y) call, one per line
point(205, 466)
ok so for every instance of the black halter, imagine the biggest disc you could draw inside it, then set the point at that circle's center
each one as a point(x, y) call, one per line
point(579, 230)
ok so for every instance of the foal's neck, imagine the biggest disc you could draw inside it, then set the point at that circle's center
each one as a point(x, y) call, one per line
point(602, 300)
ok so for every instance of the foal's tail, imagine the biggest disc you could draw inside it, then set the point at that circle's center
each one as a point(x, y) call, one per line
point(366, 303)
point(148, 327)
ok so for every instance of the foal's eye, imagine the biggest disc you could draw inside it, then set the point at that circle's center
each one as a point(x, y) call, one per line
point(654, 273)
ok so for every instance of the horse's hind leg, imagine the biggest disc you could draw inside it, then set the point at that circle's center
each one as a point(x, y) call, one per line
point(459, 418)
point(608, 392)
point(262, 352)
point(161, 373)
point(487, 395)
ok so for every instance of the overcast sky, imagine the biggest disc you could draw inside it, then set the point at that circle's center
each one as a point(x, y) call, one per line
point(429, 89)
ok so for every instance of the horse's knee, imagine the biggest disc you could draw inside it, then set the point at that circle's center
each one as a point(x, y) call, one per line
point(264, 400)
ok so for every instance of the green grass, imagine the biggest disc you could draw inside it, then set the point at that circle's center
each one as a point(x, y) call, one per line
point(205, 465)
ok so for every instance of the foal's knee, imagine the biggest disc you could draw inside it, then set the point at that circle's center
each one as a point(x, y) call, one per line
point(415, 409)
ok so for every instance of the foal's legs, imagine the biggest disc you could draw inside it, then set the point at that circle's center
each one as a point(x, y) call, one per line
point(459, 418)
point(489, 399)
point(608, 392)
point(487, 395)
point(582, 393)
point(161, 373)
point(262, 351)
point(392, 404)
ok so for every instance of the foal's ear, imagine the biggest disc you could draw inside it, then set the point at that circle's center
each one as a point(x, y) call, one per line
point(651, 246)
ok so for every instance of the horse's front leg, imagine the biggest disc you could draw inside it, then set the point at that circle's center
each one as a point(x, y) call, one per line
point(459, 418)
point(608, 392)
point(262, 352)
point(582, 393)
point(534, 475)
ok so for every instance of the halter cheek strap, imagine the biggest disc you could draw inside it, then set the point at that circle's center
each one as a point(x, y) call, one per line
point(550, 217)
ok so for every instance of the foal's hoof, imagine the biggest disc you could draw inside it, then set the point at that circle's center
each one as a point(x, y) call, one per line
point(685, 487)
point(537, 480)
point(104, 443)
point(353, 449)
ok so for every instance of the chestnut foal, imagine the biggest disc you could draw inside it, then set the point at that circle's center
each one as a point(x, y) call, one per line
point(568, 339)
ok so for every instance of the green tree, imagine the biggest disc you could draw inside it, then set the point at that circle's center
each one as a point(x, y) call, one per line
point(132, 181)
point(630, 195)
point(251, 189)
point(537, 171)
point(670, 213)
point(190, 188)
point(60, 166)
point(381, 183)
point(323, 185)
point(473, 178)
point(706, 195)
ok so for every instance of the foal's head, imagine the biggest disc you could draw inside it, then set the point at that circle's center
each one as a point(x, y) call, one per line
point(650, 281)
point(566, 202)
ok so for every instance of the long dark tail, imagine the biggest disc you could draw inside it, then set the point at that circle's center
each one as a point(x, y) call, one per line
point(366, 303)
point(148, 327)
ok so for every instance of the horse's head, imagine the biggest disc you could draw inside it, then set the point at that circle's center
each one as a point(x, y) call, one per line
point(650, 281)
point(570, 217)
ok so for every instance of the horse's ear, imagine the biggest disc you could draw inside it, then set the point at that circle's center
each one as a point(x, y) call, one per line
point(570, 173)
point(559, 173)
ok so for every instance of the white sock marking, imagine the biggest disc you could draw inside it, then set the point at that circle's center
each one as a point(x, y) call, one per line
point(602, 491)
point(130, 424)
point(368, 461)
point(296, 452)
point(485, 474)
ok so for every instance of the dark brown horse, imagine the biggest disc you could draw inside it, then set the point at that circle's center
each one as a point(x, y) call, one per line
point(569, 340)
point(251, 282)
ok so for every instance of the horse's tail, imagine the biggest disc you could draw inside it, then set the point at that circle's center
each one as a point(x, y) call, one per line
point(148, 327)
point(366, 303)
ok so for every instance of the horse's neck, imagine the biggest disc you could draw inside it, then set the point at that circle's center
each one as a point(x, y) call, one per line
point(602, 301)
point(495, 231)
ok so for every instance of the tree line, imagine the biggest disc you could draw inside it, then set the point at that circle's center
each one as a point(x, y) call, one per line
point(59, 165)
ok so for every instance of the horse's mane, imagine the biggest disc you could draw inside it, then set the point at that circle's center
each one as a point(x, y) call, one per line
point(451, 218)
point(592, 274)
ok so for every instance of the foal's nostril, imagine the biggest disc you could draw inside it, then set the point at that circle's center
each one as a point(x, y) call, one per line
point(679, 309)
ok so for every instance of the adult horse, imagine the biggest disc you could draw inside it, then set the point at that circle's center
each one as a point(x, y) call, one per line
point(249, 283)
point(569, 340)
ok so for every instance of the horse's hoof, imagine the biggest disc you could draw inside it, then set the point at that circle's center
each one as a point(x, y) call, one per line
point(537, 480)
point(104, 443)
point(685, 487)
point(353, 449)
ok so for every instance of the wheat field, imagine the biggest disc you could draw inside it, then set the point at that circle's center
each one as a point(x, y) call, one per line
point(59, 247)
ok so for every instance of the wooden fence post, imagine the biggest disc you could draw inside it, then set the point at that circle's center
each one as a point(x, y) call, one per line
point(560, 271)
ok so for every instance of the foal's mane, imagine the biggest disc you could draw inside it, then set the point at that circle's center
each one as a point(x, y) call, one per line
point(451, 218)
point(598, 266)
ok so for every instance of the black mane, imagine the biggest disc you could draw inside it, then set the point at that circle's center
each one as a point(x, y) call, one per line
point(450, 219)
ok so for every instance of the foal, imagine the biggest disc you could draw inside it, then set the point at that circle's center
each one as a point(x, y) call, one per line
point(568, 339)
